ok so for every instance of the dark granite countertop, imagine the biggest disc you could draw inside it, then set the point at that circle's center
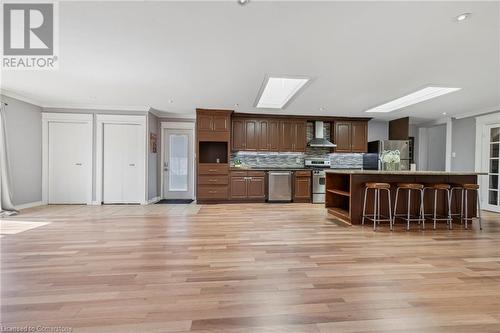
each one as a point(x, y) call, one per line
point(266, 169)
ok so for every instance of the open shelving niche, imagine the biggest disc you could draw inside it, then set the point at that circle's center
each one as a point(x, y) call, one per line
point(338, 196)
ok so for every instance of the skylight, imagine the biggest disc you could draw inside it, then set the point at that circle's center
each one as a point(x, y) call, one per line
point(413, 98)
point(278, 91)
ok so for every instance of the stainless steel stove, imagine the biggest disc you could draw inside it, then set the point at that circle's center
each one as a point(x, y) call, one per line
point(318, 177)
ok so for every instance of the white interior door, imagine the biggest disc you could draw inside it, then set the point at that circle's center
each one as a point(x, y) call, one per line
point(69, 163)
point(123, 163)
point(178, 177)
point(491, 161)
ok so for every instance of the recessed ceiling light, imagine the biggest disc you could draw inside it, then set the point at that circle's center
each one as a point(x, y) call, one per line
point(413, 98)
point(276, 92)
point(463, 17)
point(243, 2)
point(322, 109)
point(444, 113)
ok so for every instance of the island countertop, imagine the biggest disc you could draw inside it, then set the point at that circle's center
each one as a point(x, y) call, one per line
point(345, 188)
point(404, 173)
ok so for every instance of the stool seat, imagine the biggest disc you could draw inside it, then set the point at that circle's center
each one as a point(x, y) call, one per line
point(470, 186)
point(411, 186)
point(439, 186)
point(378, 185)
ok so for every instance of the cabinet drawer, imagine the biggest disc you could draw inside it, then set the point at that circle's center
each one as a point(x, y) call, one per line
point(213, 180)
point(213, 169)
point(239, 173)
point(213, 192)
point(256, 173)
point(303, 173)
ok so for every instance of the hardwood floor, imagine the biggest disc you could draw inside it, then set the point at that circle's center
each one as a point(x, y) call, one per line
point(245, 268)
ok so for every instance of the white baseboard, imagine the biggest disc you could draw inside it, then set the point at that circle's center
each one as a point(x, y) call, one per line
point(29, 205)
point(154, 200)
point(94, 203)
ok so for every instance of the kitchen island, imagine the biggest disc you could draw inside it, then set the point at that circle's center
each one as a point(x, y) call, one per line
point(345, 191)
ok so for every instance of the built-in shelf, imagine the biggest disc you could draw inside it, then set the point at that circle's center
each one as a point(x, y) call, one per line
point(339, 192)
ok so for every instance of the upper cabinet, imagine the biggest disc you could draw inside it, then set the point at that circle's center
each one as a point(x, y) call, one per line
point(213, 120)
point(351, 136)
point(268, 135)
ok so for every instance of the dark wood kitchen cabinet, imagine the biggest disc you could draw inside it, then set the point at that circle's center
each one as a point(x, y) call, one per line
point(268, 135)
point(273, 135)
point(351, 136)
point(213, 120)
point(252, 134)
point(238, 188)
point(285, 134)
point(238, 134)
point(264, 144)
point(248, 185)
point(292, 136)
point(302, 186)
point(359, 136)
point(212, 148)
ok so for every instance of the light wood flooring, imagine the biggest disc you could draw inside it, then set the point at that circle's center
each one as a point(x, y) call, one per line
point(244, 268)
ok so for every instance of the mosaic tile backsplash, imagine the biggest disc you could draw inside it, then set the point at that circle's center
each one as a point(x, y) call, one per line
point(296, 160)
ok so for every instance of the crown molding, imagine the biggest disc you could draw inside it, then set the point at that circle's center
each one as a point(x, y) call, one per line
point(477, 113)
point(98, 107)
point(20, 97)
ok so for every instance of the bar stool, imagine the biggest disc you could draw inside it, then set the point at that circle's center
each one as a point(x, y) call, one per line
point(464, 216)
point(376, 217)
point(433, 216)
point(408, 217)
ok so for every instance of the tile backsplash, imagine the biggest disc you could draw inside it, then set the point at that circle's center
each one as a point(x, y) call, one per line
point(296, 160)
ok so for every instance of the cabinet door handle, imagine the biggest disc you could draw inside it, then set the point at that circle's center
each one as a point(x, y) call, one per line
point(212, 192)
point(212, 180)
point(212, 170)
point(131, 164)
point(79, 164)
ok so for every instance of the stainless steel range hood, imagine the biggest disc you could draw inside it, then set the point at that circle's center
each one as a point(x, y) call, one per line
point(319, 136)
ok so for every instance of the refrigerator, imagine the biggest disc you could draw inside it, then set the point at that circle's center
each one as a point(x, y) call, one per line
point(403, 146)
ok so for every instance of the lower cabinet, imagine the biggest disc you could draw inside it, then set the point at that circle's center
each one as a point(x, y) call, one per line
point(248, 185)
point(302, 186)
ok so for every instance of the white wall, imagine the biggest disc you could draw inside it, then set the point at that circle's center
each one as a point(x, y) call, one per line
point(463, 144)
point(436, 149)
point(378, 130)
point(24, 148)
point(153, 159)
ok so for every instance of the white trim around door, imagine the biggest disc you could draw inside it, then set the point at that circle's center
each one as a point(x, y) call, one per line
point(71, 118)
point(482, 155)
point(176, 126)
point(103, 119)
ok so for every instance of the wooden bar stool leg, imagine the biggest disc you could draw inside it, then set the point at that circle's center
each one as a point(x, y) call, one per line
point(435, 208)
point(395, 207)
point(422, 209)
point(376, 211)
point(450, 218)
point(462, 206)
point(465, 208)
point(479, 210)
point(364, 207)
point(408, 211)
point(390, 213)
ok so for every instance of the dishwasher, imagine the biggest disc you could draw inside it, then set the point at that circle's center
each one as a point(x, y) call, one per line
point(280, 186)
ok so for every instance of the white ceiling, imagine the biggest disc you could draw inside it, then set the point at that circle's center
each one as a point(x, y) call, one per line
point(206, 54)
